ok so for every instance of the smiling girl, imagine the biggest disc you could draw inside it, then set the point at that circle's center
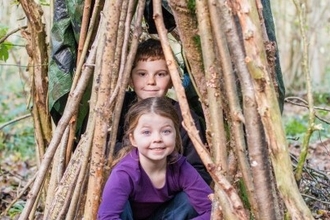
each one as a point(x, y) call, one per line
point(150, 178)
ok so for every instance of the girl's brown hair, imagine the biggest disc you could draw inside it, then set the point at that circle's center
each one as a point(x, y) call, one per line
point(159, 105)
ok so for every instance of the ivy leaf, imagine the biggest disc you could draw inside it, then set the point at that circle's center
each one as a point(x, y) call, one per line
point(4, 50)
point(5, 46)
point(3, 30)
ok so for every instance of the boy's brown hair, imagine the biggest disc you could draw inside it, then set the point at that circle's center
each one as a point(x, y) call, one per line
point(150, 49)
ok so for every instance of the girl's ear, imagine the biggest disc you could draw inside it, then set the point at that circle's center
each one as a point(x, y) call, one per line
point(131, 139)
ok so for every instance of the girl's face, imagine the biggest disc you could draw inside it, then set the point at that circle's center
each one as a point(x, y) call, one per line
point(150, 79)
point(154, 136)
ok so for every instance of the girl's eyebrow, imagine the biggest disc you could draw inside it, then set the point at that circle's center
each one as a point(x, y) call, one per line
point(168, 125)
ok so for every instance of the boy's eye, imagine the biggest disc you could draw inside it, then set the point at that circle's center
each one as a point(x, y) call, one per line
point(141, 74)
point(162, 74)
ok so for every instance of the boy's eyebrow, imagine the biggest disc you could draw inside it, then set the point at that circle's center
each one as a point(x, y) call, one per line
point(144, 69)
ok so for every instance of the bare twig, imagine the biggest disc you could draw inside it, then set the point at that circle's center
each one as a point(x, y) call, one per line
point(10, 33)
point(305, 103)
point(84, 28)
point(306, 167)
point(14, 120)
point(316, 199)
point(19, 195)
point(301, 10)
point(307, 106)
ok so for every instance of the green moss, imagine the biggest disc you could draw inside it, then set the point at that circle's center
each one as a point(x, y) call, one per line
point(191, 5)
point(197, 42)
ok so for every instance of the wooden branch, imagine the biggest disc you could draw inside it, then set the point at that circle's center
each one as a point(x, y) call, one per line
point(84, 42)
point(62, 197)
point(235, 110)
point(86, 145)
point(212, 76)
point(269, 109)
point(262, 200)
point(188, 121)
point(14, 120)
point(11, 33)
point(125, 70)
point(102, 108)
point(187, 27)
point(73, 103)
point(305, 105)
point(22, 193)
point(84, 28)
point(36, 48)
point(57, 171)
point(301, 9)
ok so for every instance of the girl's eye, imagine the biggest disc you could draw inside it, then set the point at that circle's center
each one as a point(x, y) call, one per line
point(146, 132)
point(167, 131)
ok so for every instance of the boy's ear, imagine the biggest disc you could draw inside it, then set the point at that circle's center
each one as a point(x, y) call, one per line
point(170, 85)
point(130, 83)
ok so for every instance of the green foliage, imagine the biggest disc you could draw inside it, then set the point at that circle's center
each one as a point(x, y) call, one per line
point(16, 209)
point(297, 125)
point(321, 98)
point(3, 30)
point(4, 50)
point(17, 137)
point(243, 193)
point(191, 5)
point(244, 196)
point(6, 45)
point(44, 3)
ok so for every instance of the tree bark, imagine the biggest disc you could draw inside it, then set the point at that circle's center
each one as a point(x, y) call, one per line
point(269, 109)
point(102, 108)
point(70, 109)
point(233, 205)
point(37, 50)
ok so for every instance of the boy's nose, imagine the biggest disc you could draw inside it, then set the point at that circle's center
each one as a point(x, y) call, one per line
point(151, 80)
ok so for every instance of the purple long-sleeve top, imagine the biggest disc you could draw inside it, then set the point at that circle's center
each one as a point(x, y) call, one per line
point(129, 182)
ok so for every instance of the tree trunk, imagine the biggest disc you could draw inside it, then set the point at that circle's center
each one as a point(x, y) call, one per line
point(269, 110)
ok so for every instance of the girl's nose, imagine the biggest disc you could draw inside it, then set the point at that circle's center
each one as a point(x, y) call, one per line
point(157, 137)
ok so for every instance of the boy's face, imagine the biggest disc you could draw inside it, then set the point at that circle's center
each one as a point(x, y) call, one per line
point(150, 79)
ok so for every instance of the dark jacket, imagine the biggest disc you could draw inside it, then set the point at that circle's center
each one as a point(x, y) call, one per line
point(188, 148)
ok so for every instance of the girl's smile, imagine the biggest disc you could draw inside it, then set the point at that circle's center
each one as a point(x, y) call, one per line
point(154, 136)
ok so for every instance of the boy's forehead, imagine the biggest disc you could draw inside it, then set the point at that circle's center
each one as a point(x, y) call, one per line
point(151, 63)
point(150, 58)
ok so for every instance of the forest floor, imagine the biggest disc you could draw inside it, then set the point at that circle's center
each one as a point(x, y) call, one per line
point(314, 186)
point(315, 182)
